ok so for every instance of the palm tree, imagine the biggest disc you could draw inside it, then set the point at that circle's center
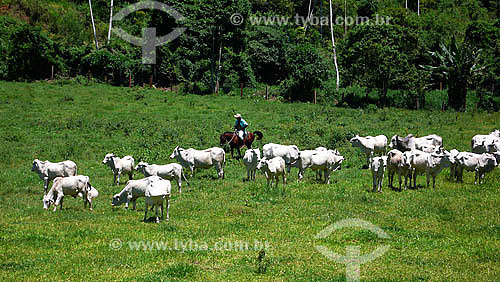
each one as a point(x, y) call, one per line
point(458, 64)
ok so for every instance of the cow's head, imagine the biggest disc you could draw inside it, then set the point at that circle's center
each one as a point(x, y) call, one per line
point(488, 161)
point(36, 165)
point(141, 166)
point(48, 200)
point(394, 142)
point(264, 162)
point(355, 141)
point(495, 133)
point(108, 158)
point(176, 152)
point(119, 199)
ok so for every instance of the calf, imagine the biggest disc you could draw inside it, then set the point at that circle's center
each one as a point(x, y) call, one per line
point(72, 186)
point(273, 168)
point(193, 159)
point(47, 171)
point(133, 190)
point(289, 153)
point(120, 166)
point(168, 171)
point(251, 160)
point(378, 166)
point(156, 193)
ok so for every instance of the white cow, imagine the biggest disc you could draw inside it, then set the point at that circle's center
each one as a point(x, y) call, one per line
point(47, 171)
point(251, 160)
point(133, 190)
point(193, 159)
point(479, 163)
point(370, 145)
point(120, 166)
point(429, 163)
point(322, 161)
point(485, 143)
point(289, 153)
point(378, 166)
point(168, 171)
point(156, 193)
point(78, 185)
point(411, 142)
point(273, 168)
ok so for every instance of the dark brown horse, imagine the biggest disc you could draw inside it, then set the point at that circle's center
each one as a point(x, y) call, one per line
point(232, 139)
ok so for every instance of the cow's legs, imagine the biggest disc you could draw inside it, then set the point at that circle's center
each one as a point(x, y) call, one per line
point(239, 153)
point(59, 200)
point(428, 178)
point(118, 178)
point(284, 178)
point(161, 207)
point(45, 185)
point(130, 175)
point(156, 213)
point(374, 187)
point(145, 212)
point(168, 207)
point(414, 180)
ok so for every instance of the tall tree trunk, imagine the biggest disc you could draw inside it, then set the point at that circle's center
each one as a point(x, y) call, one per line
point(345, 17)
point(110, 21)
point(457, 94)
point(406, 4)
point(217, 71)
point(93, 25)
point(418, 7)
point(308, 15)
point(334, 48)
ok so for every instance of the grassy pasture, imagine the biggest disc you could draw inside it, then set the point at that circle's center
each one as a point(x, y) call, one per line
point(451, 234)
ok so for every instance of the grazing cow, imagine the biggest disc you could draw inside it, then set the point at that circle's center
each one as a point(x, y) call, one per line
point(193, 159)
point(289, 153)
point(273, 168)
point(120, 166)
point(411, 142)
point(251, 160)
point(78, 185)
point(370, 145)
point(47, 171)
point(156, 193)
point(168, 171)
point(322, 161)
point(378, 166)
point(479, 163)
point(133, 190)
point(430, 163)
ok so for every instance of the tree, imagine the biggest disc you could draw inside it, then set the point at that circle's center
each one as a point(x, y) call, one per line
point(380, 56)
point(458, 63)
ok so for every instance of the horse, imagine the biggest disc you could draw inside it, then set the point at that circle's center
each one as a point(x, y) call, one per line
point(235, 141)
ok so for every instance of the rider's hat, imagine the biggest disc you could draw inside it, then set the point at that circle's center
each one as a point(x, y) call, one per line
point(237, 116)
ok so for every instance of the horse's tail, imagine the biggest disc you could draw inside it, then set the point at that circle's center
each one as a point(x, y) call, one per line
point(259, 134)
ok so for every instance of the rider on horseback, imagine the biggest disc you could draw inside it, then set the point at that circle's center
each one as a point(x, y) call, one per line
point(240, 126)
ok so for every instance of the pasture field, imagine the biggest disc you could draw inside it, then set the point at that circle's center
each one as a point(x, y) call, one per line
point(451, 234)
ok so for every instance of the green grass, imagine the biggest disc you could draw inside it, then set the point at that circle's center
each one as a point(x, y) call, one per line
point(450, 234)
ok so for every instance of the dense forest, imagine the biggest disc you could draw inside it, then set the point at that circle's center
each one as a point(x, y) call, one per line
point(417, 47)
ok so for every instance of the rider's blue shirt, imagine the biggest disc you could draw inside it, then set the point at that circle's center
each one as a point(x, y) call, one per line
point(243, 124)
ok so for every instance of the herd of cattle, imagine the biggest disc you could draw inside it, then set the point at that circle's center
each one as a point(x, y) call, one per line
point(408, 157)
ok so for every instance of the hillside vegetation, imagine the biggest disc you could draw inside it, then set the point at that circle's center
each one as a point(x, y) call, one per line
point(451, 233)
point(450, 45)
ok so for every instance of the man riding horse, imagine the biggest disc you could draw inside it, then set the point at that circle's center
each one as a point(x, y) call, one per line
point(240, 137)
point(240, 126)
